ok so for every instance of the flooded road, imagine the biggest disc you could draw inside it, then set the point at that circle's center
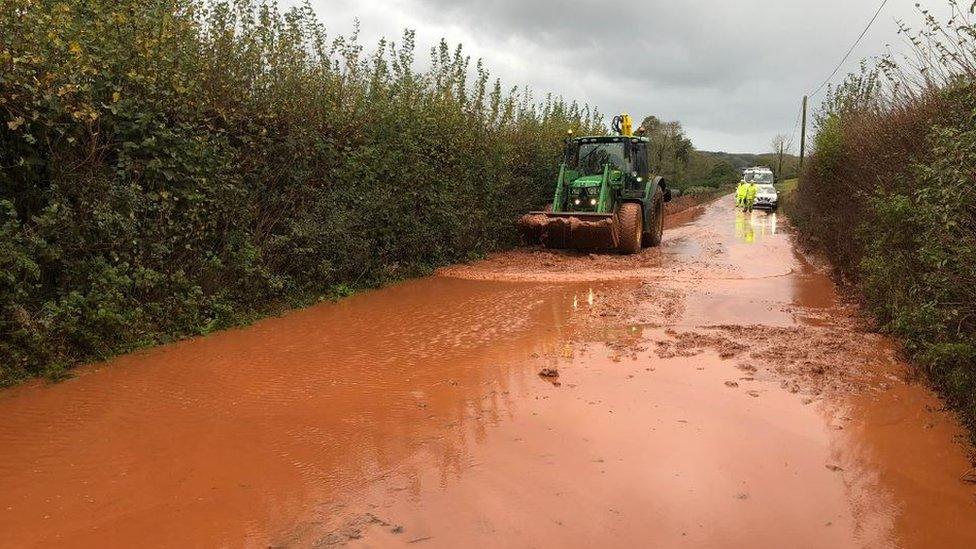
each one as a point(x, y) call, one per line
point(712, 392)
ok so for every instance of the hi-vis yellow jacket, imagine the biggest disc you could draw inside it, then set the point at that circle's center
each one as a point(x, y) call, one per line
point(740, 192)
point(751, 190)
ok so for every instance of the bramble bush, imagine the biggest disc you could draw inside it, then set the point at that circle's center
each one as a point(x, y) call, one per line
point(171, 167)
point(889, 193)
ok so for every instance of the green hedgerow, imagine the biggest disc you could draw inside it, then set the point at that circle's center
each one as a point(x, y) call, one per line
point(171, 167)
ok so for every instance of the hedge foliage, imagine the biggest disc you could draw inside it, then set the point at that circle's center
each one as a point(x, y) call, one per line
point(171, 167)
point(890, 195)
point(919, 266)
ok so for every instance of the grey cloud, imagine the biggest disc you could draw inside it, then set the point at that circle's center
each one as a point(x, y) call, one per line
point(732, 71)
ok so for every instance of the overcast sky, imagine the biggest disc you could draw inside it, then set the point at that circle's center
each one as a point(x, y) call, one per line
point(732, 72)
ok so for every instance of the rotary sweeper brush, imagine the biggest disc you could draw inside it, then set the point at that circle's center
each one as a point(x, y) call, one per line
point(605, 197)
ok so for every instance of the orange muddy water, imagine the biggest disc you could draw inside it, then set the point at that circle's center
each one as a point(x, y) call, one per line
point(711, 392)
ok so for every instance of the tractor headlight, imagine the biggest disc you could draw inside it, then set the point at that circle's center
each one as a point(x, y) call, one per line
point(577, 202)
point(592, 202)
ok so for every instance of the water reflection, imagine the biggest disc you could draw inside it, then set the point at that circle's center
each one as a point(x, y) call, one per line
point(744, 230)
point(590, 298)
point(755, 224)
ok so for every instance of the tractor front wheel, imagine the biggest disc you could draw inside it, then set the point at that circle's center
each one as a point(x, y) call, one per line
point(630, 227)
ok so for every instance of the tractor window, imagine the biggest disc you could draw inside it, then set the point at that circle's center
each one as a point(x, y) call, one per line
point(594, 156)
point(640, 160)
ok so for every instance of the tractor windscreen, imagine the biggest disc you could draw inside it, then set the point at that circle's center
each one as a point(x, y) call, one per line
point(593, 156)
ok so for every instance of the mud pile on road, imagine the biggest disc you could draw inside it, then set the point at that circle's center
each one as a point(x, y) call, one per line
point(645, 320)
point(806, 360)
point(536, 264)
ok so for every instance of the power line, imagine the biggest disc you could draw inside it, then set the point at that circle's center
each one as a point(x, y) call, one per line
point(854, 45)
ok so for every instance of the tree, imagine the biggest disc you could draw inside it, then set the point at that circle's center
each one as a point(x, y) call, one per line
point(670, 150)
point(781, 146)
point(722, 174)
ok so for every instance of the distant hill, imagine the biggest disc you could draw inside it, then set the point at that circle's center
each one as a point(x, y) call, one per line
point(719, 168)
point(748, 160)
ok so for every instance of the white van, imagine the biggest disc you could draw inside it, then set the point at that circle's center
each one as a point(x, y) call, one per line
point(766, 195)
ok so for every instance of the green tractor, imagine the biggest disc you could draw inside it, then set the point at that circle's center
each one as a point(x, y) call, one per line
point(605, 199)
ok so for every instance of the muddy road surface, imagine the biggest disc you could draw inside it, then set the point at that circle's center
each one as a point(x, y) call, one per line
point(713, 392)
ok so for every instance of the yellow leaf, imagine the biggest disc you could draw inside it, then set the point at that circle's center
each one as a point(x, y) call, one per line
point(75, 48)
point(15, 123)
point(116, 96)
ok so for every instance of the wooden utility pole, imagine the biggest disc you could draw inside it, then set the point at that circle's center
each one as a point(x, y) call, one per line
point(803, 132)
point(779, 167)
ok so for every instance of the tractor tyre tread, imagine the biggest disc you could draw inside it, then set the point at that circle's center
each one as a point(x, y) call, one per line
point(630, 227)
point(655, 232)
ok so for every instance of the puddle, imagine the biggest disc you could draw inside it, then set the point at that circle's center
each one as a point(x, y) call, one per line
point(718, 400)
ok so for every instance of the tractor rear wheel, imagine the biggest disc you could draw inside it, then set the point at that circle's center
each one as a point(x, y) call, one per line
point(655, 233)
point(630, 227)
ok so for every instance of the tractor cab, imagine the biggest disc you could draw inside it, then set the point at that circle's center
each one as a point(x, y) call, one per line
point(621, 159)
